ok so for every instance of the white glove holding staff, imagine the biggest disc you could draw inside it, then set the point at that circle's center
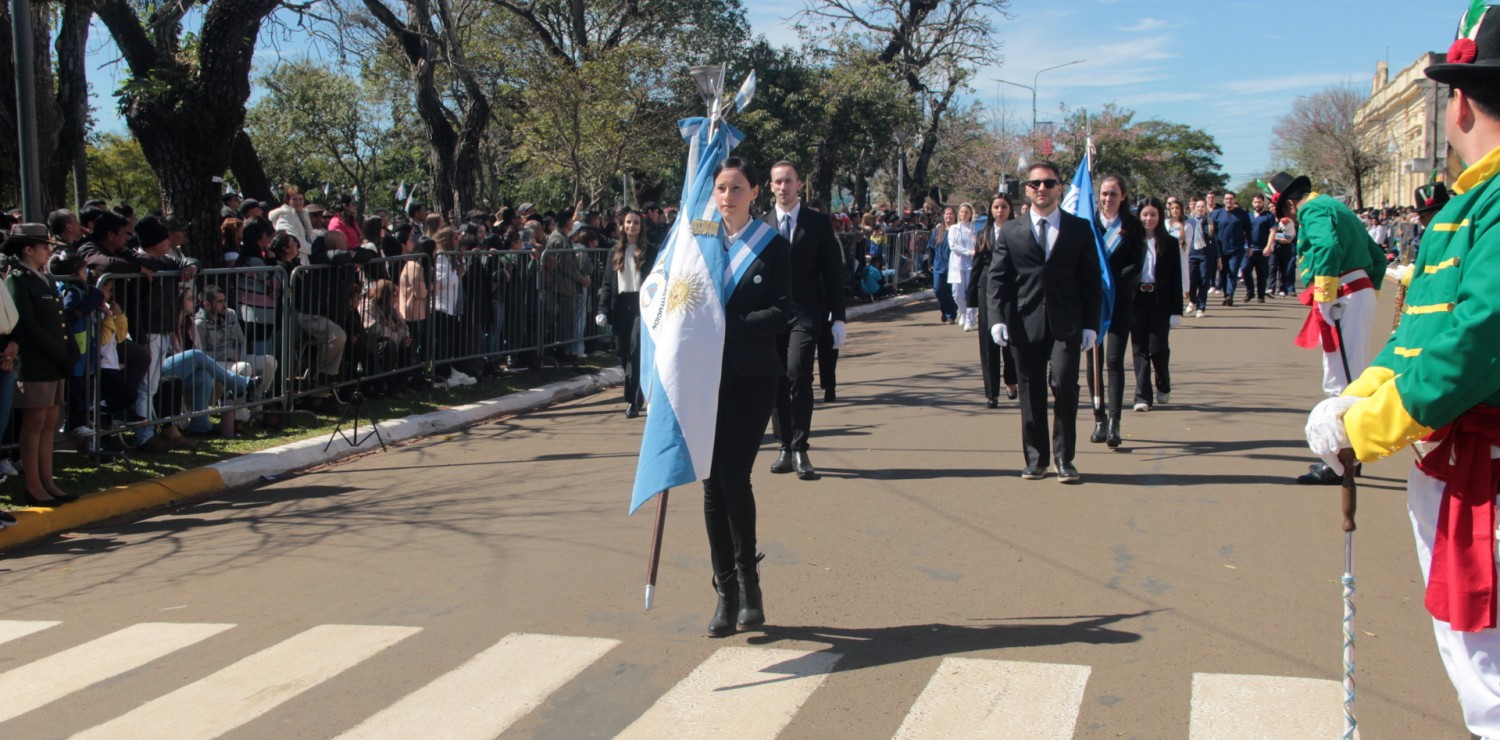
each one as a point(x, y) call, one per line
point(1325, 430)
point(1089, 338)
point(1000, 334)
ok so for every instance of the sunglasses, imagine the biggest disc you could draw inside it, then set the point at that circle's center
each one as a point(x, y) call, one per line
point(1042, 184)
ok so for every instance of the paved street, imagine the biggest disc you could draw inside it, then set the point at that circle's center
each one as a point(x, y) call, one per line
point(490, 582)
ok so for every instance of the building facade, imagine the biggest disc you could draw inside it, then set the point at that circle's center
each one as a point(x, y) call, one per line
point(1402, 122)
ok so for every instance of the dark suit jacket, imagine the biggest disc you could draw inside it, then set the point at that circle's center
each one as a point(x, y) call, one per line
point(1168, 294)
point(1040, 296)
point(1125, 265)
point(757, 314)
point(611, 287)
point(817, 269)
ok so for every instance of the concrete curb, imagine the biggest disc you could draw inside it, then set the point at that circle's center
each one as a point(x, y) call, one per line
point(35, 523)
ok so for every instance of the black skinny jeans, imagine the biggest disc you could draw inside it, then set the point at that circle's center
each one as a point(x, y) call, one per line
point(728, 500)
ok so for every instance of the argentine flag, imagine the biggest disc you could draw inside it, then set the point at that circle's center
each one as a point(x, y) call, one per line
point(682, 326)
point(1080, 202)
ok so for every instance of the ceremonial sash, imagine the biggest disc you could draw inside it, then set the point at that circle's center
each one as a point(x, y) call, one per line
point(1316, 331)
point(1112, 236)
point(743, 253)
point(1461, 576)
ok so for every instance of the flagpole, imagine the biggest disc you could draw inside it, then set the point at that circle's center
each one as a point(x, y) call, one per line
point(656, 535)
point(1097, 351)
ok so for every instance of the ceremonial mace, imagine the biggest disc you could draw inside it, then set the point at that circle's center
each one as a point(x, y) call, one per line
point(1348, 492)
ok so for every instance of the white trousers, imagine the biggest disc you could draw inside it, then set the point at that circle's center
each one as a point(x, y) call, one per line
point(1472, 659)
point(1358, 321)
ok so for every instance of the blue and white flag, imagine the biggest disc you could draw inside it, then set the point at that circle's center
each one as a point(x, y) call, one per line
point(682, 325)
point(401, 191)
point(1080, 202)
point(747, 91)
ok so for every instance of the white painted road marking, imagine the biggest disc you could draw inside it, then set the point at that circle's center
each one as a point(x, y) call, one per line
point(253, 686)
point(485, 695)
point(973, 698)
point(15, 630)
point(55, 676)
point(739, 692)
point(1271, 707)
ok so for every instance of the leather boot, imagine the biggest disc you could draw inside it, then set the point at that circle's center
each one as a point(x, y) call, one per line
point(722, 625)
point(1099, 431)
point(1112, 435)
point(751, 612)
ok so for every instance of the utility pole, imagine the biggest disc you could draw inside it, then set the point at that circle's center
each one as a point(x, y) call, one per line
point(25, 65)
point(1032, 87)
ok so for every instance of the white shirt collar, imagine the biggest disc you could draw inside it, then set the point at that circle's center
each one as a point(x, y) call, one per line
point(794, 213)
point(1053, 219)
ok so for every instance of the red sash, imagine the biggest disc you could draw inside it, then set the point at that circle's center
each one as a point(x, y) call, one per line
point(1461, 578)
point(1316, 331)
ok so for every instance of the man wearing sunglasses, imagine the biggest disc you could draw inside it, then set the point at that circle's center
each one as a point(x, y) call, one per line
point(1044, 288)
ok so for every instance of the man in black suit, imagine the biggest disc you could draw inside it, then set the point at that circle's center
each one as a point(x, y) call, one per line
point(1045, 292)
point(817, 298)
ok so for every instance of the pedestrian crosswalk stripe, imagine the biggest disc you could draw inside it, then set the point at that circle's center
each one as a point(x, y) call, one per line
point(974, 698)
point(15, 630)
point(741, 692)
point(485, 695)
point(1244, 707)
point(55, 676)
point(253, 686)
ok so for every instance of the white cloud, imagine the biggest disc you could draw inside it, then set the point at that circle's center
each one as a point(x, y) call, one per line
point(1263, 85)
point(1146, 24)
point(1163, 96)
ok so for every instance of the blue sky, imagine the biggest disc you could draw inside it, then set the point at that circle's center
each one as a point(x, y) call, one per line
point(1228, 68)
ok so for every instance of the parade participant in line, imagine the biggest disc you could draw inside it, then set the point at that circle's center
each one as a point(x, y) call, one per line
point(995, 362)
point(1434, 385)
point(1045, 293)
point(754, 317)
point(1231, 227)
point(937, 245)
point(1125, 245)
point(817, 291)
point(620, 303)
point(960, 260)
point(1342, 267)
point(1203, 258)
point(1158, 309)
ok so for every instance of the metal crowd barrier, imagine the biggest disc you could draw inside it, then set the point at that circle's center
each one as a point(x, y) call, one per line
point(328, 329)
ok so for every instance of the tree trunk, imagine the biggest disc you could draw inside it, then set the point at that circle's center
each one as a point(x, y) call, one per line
point(245, 164)
point(72, 103)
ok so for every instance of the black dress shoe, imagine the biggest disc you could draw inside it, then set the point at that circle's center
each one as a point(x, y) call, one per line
point(805, 469)
point(1031, 472)
point(631, 411)
point(1101, 429)
point(1066, 473)
point(1321, 475)
point(1010, 393)
point(993, 403)
point(48, 502)
point(783, 463)
point(1112, 433)
point(66, 498)
point(829, 396)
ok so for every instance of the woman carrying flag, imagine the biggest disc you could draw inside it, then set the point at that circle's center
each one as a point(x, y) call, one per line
point(755, 314)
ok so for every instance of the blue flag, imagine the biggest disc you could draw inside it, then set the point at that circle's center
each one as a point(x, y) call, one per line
point(682, 325)
point(1080, 202)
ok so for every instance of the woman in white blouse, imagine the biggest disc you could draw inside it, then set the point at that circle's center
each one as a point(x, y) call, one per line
point(619, 302)
point(960, 258)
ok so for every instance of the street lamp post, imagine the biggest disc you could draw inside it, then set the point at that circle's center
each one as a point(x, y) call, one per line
point(1032, 87)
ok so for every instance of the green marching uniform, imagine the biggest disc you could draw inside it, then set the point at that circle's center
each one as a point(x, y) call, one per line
point(1436, 386)
point(1338, 262)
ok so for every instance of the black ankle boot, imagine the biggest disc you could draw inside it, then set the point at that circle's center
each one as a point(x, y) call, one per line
point(1099, 432)
point(722, 625)
point(1113, 433)
point(752, 614)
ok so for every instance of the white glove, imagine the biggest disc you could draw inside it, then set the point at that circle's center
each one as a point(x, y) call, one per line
point(1325, 430)
point(600, 320)
point(1089, 337)
point(1000, 334)
point(839, 334)
point(1327, 308)
point(1398, 272)
point(1175, 321)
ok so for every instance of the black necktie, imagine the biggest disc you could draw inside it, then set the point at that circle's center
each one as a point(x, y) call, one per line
point(1042, 230)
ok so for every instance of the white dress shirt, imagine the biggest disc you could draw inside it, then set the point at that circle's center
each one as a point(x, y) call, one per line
point(1148, 272)
point(781, 217)
point(1054, 220)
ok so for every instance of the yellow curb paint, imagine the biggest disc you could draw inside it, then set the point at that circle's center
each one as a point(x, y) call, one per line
point(36, 523)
